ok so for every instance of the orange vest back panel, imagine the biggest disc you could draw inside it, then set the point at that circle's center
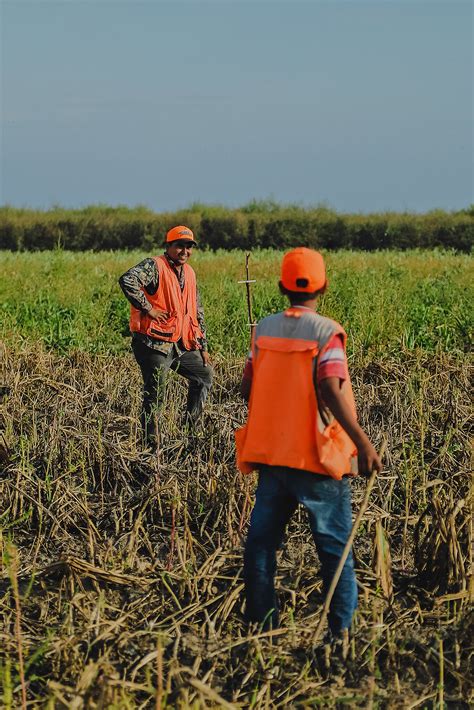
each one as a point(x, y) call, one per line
point(284, 425)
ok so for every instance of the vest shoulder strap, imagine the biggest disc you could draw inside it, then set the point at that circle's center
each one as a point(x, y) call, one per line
point(189, 274)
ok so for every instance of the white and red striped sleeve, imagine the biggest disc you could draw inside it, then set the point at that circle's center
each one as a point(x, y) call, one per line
point(333, 361)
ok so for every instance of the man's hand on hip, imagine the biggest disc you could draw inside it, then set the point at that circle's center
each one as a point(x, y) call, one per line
point(158, 315)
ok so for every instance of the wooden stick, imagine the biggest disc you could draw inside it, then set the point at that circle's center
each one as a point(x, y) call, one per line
point(13, 570)
point(345, 553)
point(247, 283)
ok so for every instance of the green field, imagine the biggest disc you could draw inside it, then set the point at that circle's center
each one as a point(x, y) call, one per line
point(121, 580)
point(387, 301)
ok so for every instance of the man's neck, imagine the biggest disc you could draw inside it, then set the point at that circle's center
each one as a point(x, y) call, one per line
point(310, 304)
point(177, 267)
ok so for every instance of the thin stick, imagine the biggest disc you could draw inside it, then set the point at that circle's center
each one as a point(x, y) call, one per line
point(247, 287)
point(13, 555)
point(158, 444)
point(441, 675)
point(247, 283)
point(159, 674)
point(345, 552)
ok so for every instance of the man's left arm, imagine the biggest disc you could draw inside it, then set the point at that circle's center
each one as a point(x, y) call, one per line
point(246, 384)
point(247, 376)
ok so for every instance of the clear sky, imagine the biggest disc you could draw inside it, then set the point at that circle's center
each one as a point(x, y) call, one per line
point(362, 105)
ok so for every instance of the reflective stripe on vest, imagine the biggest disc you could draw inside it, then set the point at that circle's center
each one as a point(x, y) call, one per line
point(180, 306)
point(286, 425)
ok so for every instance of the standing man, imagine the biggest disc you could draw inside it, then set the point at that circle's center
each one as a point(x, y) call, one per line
point(168, 331)
point(303, 438)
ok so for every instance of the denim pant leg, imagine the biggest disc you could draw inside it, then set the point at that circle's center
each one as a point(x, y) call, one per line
point(274, 506)
point(154, 366)
point(328, 503)
point(199, 376)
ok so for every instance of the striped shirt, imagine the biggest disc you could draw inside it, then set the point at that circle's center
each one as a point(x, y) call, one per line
point(333, 362)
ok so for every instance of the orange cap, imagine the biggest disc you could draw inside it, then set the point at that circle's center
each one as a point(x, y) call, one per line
point(303, 270)
point(180, 232)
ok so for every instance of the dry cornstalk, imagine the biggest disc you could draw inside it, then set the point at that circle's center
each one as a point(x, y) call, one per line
point(381, 561)
point(13, 570)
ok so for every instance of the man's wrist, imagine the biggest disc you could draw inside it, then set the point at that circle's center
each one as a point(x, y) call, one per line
point(360, 439)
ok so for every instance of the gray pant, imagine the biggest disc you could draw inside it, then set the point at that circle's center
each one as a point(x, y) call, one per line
point(154, 366)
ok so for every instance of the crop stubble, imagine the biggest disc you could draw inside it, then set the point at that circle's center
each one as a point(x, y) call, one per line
point(122, 584)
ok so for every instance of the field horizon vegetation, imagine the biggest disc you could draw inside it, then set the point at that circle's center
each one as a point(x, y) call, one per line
point(259, 224)
point(121, 576)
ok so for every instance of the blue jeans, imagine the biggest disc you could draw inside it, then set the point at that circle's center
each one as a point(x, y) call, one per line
point(328, 503)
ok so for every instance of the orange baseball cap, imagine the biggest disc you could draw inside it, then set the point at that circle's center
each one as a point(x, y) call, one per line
point(180, 232)
point(303, 270)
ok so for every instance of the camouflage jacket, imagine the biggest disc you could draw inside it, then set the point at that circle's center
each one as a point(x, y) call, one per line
point(142, 279)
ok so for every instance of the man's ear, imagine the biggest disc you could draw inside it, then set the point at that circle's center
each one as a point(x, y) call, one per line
point(324, 288)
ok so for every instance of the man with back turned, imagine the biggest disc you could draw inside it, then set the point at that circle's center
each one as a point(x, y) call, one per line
point(303, 437)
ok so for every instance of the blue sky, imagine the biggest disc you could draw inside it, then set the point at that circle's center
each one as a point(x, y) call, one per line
point(364, 106)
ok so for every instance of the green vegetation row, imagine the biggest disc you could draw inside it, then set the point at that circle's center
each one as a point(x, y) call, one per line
point(387, 301)
point(256, 225)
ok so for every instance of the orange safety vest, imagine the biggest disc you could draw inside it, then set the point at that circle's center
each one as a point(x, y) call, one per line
point(180, 306)
point(286, 424)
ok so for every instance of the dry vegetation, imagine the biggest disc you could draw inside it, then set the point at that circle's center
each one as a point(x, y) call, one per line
point(126, 581)
point(122, 583)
